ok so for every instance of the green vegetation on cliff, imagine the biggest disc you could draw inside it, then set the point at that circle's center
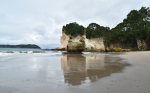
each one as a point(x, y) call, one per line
point(95, 31)
point(73, 29)
point(134, 27)
point(20, 46)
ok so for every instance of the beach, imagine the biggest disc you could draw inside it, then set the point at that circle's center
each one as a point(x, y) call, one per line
point(90, 72)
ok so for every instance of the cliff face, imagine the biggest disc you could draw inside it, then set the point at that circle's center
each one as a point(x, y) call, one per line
point(90, 44)
point(64, 41)
point(117, 45)
point(99, 44)
point(94, 44)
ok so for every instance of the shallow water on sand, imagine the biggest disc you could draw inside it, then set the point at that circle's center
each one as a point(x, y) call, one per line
point(86, 73)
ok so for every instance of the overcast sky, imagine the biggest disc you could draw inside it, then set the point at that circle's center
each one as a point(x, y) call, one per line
point(40, 21)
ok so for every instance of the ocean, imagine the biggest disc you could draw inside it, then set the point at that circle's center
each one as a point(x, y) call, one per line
point(25, 50)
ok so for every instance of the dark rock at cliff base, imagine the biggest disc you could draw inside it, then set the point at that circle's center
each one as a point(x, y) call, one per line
point(61, 49)
point(72, 53)
point(76, 50)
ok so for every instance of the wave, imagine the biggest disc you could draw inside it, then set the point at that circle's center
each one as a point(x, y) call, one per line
point(26, 50)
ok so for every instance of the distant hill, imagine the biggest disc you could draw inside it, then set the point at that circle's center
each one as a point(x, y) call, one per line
point(20, 46)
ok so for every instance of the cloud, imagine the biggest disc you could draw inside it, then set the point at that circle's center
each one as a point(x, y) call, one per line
point(104, 12)
point(40, 30)
point(40, 21)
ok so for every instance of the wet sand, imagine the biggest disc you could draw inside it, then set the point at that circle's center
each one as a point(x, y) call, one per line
point(80, 73)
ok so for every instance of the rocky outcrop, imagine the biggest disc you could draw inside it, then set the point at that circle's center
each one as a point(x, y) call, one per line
point(76, 47)
point(80, 43)
point(141, 45)
point(89, 44)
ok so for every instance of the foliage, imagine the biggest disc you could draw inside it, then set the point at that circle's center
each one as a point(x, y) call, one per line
point(95, 31)
point(135, 26)
point(73, 29)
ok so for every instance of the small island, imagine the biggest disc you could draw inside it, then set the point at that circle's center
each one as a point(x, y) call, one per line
point(21, 46)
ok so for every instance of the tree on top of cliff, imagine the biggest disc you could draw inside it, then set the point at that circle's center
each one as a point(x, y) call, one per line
point(73, 29)
point(95, 31)
point(135, 26)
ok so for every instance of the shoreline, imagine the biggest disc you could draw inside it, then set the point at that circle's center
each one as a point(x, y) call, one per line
point(85, 73)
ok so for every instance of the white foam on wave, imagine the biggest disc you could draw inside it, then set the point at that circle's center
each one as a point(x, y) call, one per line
point(5, 54)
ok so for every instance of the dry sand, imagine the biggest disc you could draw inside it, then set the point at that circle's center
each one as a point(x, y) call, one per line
point(87, 73)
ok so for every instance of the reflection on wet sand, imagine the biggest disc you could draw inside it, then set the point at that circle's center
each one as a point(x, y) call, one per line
point(78, 68)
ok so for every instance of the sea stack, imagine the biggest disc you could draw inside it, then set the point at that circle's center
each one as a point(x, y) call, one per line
point(75, 47)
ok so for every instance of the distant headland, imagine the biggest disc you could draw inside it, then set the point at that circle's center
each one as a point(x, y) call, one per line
point(21, 46)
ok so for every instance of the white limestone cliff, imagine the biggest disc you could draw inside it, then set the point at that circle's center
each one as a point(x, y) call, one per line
point(90, 44)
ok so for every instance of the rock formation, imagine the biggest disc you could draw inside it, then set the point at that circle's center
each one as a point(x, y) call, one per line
point(80, 43)
point(141, 44)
